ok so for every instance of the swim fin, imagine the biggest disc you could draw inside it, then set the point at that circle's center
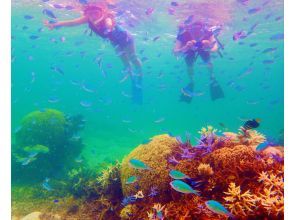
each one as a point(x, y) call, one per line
point(137, 94)
point(216, 91)
point(187, 93)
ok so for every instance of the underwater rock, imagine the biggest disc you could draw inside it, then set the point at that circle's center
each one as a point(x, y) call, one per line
point(155, 155)
point(41, 216)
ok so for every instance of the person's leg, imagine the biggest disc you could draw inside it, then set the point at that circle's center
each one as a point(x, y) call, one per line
point(124, 58)
point(136, 75)
point(131, 51)
point(216, 91)
point(190, 60)
point(205, 56)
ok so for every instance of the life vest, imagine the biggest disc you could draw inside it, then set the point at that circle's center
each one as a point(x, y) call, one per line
point(98, 23)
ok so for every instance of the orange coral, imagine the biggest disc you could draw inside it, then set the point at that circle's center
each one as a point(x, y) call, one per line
point(205, 169)
point(272, 197)
point(240, 204)
point(155, 155)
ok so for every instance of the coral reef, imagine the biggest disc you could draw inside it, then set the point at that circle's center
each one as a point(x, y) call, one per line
point(226, 168)
point(43, 137)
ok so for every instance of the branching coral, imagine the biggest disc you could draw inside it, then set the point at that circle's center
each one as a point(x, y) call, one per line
point(246, 137)
point(207, 131)
point(240, 204)
point(205, 169)
point(272, 197)
point(128, 211)
point(110, 173)
point(158, 212)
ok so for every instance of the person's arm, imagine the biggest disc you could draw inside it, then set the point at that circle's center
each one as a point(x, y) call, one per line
point(210, 44)
point(109, 23)
point(180, 48)
point(69, 23)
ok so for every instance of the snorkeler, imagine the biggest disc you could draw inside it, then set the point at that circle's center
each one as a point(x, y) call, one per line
point(197, 39)
point(101, 21)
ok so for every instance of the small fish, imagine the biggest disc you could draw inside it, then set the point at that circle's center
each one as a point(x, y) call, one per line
point(56, 201)
point(268, 61)
point(149, 11)
point(218, 208)
point(28, 17)
point(253, 45)
point(57, 6)
point(189, 19)
point(46, 185)
point(279, 36)
point(83, 1)
point(254, 10)
point(146, 141)
point(179, 139)
point(49, 13)
point(156, 38)
point(269, 50)
point(175, 4)
point(33, 77)
point(53, 99)
point(131, 179)
point(239, 35)
point(159, 120)
point(262, 146)
point(68, 7)
point(25, 161)
point(138, 164)
point(178, 175)
point(34, 37)
point(86, 104)
point(183, 187)
point(88, 88)
point(57, 69)
point(254, 123)
point(243, 2)
point(62, 39)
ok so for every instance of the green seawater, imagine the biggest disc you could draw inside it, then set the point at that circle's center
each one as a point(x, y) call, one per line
point(114, 125)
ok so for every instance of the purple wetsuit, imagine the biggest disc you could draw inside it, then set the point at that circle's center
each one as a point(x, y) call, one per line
point(118, 37)
point(194, 32)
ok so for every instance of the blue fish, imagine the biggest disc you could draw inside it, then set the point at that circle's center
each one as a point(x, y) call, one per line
point(175, 174)
point(138, 164)
point(179, 139)
point(131, 179)
point(263, 146)
point(183, 187)
point(253, 10)
point(34, 37)
point(268, 50)
point(279, 36)
point(28, 17)
point(218, 208)
point(49, 13)
point(83, 2)
point(46, 185)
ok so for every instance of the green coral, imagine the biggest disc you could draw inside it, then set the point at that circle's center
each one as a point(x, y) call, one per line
point(45, 128)
point(44, 145)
